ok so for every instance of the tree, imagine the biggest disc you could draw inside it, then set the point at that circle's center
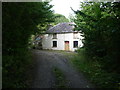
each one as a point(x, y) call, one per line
point(59, 19)
point(71, 18)
point(20, 21)
point(99, 22)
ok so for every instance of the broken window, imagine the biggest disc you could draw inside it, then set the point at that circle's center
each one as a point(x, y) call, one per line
point(75, 44)
point(54, 36)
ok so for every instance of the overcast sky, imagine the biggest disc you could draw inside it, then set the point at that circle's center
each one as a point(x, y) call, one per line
point(63, 6)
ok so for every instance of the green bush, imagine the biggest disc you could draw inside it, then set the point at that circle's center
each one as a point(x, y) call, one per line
point(94, 71)
point(15, 68)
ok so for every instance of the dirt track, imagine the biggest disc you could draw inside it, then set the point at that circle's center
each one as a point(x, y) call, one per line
point(44, 77)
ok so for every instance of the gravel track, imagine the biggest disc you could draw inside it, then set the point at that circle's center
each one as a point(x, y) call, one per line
point(45, 61)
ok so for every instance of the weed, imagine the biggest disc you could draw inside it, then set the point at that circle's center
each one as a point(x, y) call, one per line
point(93, 70)
point(60, 78)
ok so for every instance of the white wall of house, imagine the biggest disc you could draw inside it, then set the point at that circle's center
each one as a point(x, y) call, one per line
point(47, 41)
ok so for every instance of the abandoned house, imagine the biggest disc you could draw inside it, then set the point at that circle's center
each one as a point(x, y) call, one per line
point(62, 37)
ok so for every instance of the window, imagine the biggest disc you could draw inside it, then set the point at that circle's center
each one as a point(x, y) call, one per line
point(75, 35)
point(75, 44)
point(54, 36)
point(54, 43)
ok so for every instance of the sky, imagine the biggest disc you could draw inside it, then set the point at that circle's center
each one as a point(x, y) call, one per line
point(63, 6)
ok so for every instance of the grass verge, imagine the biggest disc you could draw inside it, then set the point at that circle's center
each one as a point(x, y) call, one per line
point(93, 71)
point(60, 78)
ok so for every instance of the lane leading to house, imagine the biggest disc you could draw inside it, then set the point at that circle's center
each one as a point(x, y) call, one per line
point(45, 62)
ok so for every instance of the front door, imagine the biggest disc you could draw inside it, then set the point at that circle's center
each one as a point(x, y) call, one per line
point(67, 45)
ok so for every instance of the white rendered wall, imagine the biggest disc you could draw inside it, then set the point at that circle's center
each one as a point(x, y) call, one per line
point(47, 41)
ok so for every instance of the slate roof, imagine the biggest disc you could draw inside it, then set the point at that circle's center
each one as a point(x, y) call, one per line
point(61, 28)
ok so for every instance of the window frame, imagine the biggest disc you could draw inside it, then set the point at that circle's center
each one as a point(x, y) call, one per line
point(54, 35)
point(75, 46)
point(54, 44)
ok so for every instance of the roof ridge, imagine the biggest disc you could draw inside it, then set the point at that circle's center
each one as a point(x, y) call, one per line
point(61, 27)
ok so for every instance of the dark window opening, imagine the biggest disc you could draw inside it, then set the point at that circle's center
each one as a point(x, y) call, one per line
point(75, 44)
point(54, 43)
point(54, 36)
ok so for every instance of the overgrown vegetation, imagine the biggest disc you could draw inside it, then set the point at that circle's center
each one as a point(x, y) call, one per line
point(19, 22)
point(99, 24)
point(60, 78)
point(94, 72)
